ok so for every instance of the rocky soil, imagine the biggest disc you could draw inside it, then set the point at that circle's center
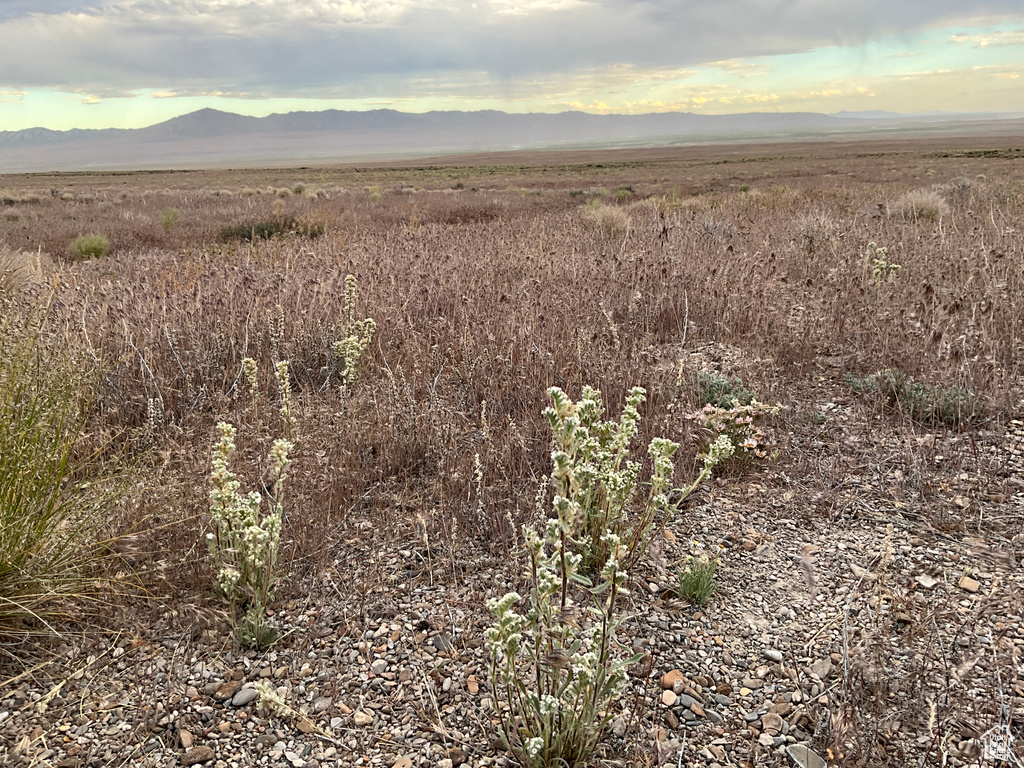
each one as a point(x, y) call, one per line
point(869, 612)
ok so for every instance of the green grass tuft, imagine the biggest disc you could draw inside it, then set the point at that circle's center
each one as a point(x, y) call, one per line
point(89, 247)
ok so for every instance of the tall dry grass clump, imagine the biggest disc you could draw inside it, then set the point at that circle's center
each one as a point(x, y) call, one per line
point(922, 205)
point(611, 220)
point(55, 494)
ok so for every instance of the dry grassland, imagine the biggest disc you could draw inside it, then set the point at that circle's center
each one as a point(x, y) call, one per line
point(491, 279)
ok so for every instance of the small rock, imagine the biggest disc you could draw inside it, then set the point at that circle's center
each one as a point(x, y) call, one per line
point(771, 723)
point(403, 762)
point(861, 573)
point(226, 690)
point(752, 683)
point(294, 759)
point(380, 666)
point(619, 726)
point(772, 654)
point(362, 718)
point(926, 581)
point(458, 756)
point(243, 697)
point(442, 643)
point(968, 584)
point(472, 685)
point(822, 668)
point(668, 698)
point(197, 755)
point(669, 679)
point(322, 704)
point(766, 740)
point(186, 739)
point(804, 757)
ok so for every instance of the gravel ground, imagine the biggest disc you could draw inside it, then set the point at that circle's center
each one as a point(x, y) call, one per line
point(850, 626)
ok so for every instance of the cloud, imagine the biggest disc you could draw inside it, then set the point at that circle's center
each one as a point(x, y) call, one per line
point(387, 49)
point(996, 39)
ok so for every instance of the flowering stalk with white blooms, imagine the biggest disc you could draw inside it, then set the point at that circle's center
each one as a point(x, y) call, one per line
point(349, 350)
point(592, 468)
point(556, 666)
point(243, 544)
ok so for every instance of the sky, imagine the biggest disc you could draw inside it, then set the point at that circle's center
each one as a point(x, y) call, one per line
point(130, 63)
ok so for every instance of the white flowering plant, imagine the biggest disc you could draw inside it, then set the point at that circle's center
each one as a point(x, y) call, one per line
point(556, 667)
point(244, 543)
point(555, 664)
point(593, 470)
point(349, 350)
point(741, 424)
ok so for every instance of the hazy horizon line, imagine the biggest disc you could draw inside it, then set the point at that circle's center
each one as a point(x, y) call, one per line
point(867, 113)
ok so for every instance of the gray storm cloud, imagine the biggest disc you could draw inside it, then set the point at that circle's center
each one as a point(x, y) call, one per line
point(362, 49)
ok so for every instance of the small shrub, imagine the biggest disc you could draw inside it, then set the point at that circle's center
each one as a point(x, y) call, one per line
point(714, 226)
point(923, 204)
point(816, 232)
point(696, 579)
point(613, 222)
point(348, 351)
point(265, 230)
point(722, 391)
point(89, 247)
point(169, 217)
point(741, 425)
point(952, 407)
point(15, 269)
point(882, 270)
point(622, 194)
point(299, 188)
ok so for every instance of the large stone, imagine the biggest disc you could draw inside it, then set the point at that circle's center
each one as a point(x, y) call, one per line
point(669, 679)
point(244, 696)
point(197, 755)
point(968, 584)
point(226, 690)
point(771, 723)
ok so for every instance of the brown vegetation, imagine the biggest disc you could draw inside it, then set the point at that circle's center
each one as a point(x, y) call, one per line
point(492, 283)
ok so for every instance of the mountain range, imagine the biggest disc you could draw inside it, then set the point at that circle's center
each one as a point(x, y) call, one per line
point(211, 138)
